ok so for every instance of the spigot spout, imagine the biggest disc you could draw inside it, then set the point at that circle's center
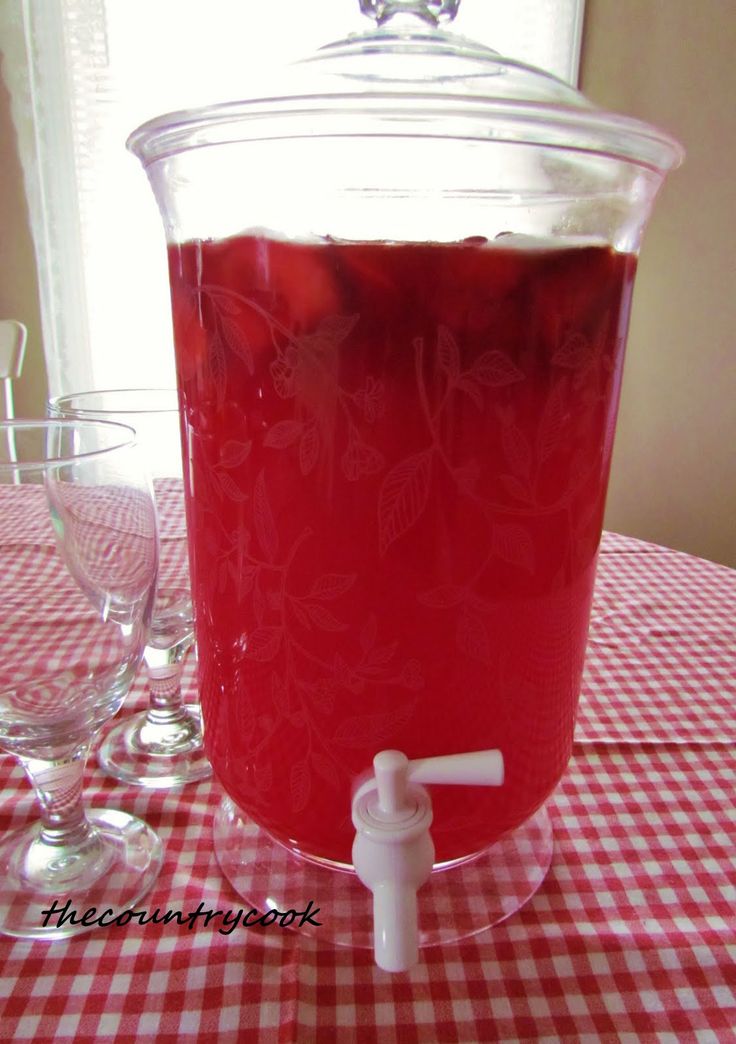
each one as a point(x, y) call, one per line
point(396, 926)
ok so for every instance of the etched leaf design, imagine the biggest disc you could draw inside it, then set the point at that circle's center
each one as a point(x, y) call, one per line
point(237, 342)
point(471, 389)
point(300, 613)
point(323, 696)
point(308, 449)
point(575, 352)
point(379, 657)
point(335, 328)
point(322, 617)
point(496, 370)
point(517, 450)
point(325, 770)
point(283, 434)
point(472, 638)
point(442, 597)
point(370, 399)
point(264, 521)
point(229, 487)
point(263, 644)
point(233, 453)
point(403, 497)
point(300, 784)
point(552, 421)
point(332, 585)
point(371, 730)
point(513, 544)
point(359, 459)
point(223, 303)
point(218, 367)
point(246, 578)
point(448, 353)
point(283, 379)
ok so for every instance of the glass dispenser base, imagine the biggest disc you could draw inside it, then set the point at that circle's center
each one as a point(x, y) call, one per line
point(459, 900)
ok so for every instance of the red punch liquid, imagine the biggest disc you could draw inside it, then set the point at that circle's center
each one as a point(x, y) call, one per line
point(398, 463)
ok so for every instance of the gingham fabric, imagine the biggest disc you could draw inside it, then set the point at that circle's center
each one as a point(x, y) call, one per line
point(631, 937)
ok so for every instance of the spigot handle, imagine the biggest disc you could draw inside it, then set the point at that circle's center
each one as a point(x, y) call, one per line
point(482, 768)
point(393, 771)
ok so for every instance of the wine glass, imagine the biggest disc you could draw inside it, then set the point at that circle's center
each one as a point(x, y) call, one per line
point(78, 559)
point(162, 746)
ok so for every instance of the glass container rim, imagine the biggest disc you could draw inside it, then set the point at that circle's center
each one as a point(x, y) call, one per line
point(61, 405)
point(127, 439)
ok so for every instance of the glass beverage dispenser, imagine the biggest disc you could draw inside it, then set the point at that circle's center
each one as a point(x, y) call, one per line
point(401, 288)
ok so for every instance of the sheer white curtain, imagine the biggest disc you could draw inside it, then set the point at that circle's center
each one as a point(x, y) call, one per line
point(84, 73)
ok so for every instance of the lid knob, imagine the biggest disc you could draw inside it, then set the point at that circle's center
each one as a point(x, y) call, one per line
point(431, 11)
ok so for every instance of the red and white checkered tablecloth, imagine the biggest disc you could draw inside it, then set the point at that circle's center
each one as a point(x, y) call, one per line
point(631, 937)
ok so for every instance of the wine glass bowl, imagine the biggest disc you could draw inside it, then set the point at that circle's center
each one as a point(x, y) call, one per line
point(161, 746)
point(78, 560)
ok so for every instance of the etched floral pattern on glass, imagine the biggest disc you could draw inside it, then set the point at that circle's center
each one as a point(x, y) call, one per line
point(398, 462)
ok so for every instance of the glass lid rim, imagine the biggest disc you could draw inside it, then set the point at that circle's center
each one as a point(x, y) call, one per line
point(151, 141)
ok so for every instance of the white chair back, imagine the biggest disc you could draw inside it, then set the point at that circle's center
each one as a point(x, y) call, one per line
point(13, 337)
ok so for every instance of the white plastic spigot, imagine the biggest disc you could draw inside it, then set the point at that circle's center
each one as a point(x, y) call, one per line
point(393, 851)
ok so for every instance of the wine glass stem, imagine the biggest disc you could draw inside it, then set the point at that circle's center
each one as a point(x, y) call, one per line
point(165, 704)
point(57, 782)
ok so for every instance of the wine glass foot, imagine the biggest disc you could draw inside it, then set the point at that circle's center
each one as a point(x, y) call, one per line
point(458, 901)
point(156, 749)
point(54, 894)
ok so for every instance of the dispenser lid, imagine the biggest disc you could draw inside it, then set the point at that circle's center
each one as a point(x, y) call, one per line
point(409, 76)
